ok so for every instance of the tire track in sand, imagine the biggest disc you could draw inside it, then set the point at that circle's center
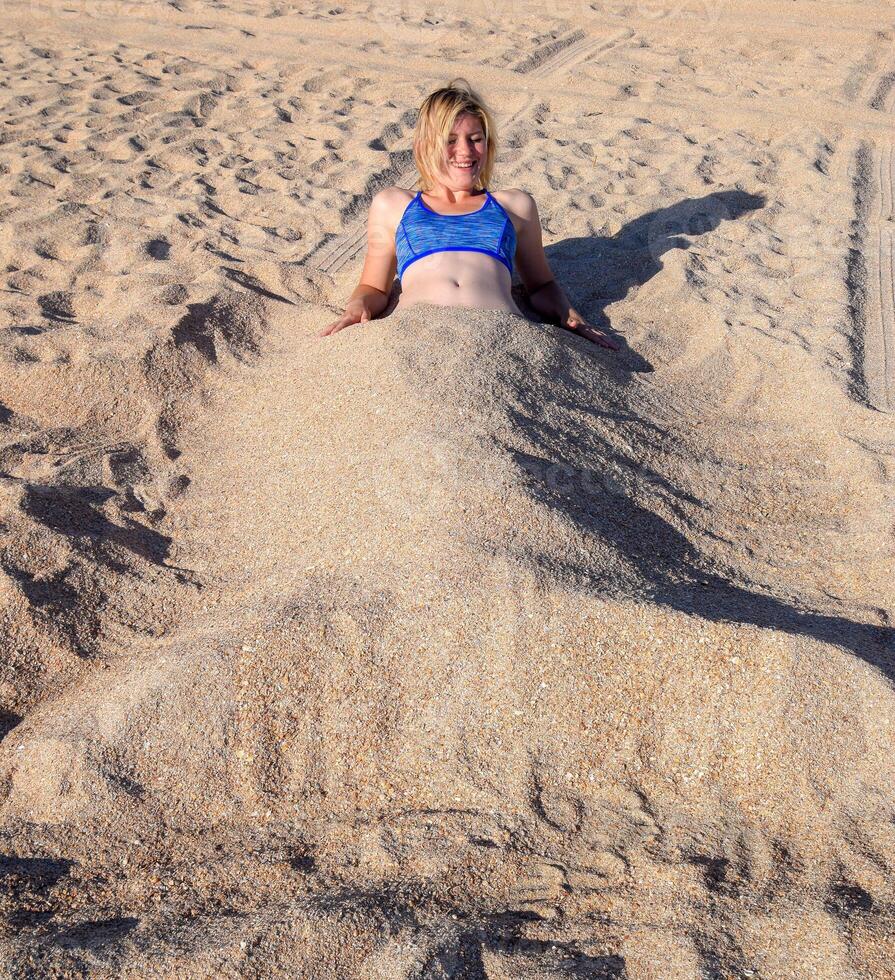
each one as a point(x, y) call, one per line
point(881, 335)
point(873, 280)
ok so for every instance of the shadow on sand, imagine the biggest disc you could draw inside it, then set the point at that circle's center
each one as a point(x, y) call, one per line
point(672, 571)
point(612, 266)
point(671, 568)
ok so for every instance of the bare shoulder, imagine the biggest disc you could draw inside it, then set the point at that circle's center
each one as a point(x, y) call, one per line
point(519, 204)
point(388, 204)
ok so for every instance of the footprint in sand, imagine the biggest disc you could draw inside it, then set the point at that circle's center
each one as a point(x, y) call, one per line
point(540, 887)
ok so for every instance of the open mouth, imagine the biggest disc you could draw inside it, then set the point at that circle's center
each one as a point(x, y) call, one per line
point(463, 166)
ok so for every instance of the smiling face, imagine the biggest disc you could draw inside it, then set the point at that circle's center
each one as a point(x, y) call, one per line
point(454, 127)
point(465, 152)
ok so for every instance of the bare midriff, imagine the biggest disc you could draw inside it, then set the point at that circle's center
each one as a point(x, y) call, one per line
point(458, 279)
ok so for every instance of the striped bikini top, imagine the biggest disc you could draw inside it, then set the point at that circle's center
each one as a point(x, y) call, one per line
point(423, 231)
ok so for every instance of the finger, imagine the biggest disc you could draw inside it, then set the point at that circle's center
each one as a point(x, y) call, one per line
point(602, 339)
point(364, 317)
point(596, 336)
point(335, 326)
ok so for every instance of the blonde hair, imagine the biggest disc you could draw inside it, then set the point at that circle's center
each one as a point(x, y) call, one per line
point(437, 116)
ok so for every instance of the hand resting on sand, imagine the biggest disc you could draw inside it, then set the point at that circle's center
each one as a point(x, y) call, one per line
point(574, 321)
point(359, 309)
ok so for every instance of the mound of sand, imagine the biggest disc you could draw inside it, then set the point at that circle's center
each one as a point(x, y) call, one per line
point(452, 646)
point(480, 683)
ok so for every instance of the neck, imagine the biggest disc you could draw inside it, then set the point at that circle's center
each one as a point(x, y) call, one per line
point(454, 196)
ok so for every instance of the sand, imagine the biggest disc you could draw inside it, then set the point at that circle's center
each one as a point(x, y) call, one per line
point(453, 646)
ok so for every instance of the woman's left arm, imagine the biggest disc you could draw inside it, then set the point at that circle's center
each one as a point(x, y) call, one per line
point(544, 292)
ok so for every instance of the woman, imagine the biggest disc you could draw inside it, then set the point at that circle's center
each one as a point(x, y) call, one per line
point(453, 243)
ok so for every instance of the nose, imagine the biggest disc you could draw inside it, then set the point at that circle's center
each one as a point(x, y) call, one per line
point(467, 146)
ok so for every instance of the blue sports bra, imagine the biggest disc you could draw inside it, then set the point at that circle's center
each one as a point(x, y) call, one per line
point(422, 231)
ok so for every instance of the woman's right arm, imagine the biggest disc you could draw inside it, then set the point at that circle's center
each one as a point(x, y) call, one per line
point(371, 294)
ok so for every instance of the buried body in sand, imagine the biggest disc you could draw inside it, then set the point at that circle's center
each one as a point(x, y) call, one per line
point(501, 659)
point(451, 259)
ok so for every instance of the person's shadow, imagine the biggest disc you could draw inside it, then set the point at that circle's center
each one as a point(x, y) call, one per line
point(633, 256)
point(669, 568)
